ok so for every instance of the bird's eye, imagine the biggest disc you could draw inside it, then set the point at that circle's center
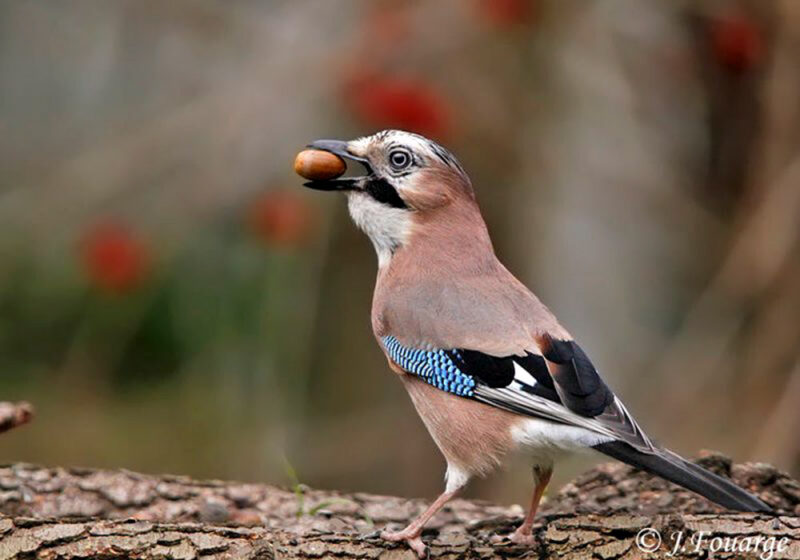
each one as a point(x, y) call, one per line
point(399, 159)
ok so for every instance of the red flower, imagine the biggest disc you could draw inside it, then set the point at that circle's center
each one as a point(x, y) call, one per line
point(281, 218)
point(114, 259)
point(406, 103)
point(737, 42)
point(507, 13)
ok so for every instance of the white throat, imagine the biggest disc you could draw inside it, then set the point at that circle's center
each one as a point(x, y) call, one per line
point(388, 228)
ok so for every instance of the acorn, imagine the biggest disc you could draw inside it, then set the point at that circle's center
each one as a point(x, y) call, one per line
point(318, 165)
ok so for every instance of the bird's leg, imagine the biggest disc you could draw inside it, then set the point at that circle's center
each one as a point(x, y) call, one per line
point(411, 534)
point(524, 533)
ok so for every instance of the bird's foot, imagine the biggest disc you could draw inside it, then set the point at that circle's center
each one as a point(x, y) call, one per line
point(411, 538)
point(523, 537)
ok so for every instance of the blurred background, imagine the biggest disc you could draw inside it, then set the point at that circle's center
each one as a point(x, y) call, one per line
point(172, 300)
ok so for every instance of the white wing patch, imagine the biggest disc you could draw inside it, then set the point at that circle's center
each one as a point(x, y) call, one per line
point(523, 377)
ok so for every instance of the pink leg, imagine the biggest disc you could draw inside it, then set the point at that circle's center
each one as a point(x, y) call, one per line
point(411, 534)
point(524, 533)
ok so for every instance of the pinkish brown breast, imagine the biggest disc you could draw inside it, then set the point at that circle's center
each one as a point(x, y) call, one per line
point(472, 435)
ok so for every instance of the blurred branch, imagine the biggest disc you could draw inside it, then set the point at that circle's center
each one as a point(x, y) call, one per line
point(13, 415)
point(779, 441)
point(763, 244)
point(758, 253)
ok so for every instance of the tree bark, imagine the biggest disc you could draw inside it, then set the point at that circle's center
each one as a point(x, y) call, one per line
point(57, 513)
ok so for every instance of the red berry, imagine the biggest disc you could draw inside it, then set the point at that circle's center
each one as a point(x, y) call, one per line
point(507, 13)
point(114, 259)
point(737, 42)
point(395, 102)
point(281, 218)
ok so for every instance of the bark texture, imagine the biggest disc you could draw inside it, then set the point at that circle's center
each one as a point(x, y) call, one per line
point(56, 513)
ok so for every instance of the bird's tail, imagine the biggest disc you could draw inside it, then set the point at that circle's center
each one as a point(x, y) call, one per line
point(668, 465)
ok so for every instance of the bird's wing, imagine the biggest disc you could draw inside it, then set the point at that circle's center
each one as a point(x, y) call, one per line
point(559, 384)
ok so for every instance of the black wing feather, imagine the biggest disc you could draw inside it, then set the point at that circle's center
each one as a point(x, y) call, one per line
point(489, 370)
point(581, 388)
point(498, 372)
point(564, 375)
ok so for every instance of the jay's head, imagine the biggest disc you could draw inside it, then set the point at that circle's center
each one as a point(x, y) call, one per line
point(408, 180)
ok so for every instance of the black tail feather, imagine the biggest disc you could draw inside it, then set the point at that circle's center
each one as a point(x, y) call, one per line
point(668, 465)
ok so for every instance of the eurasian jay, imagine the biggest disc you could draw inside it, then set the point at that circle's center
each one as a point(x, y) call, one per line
point(488, 367)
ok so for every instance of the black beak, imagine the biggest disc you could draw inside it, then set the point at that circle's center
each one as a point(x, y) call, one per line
point(339, 148)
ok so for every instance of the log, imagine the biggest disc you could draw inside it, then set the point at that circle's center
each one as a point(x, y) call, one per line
point(611, 512)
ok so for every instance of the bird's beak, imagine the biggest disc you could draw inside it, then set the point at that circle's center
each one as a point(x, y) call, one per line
point(340, 148)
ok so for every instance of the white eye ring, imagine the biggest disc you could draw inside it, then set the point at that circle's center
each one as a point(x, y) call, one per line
point(399, 159)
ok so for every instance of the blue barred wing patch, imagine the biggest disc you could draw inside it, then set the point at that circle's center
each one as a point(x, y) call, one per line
point(433, 366)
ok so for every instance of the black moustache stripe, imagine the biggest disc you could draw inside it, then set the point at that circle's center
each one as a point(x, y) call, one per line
point(383, 192)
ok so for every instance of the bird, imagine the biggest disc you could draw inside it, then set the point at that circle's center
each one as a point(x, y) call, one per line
point(488, 367)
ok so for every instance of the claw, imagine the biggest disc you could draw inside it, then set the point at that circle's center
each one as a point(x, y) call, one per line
point(523, 538)
point(412, 540)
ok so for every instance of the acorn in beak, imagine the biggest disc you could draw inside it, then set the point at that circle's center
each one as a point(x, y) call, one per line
point(323, 165)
